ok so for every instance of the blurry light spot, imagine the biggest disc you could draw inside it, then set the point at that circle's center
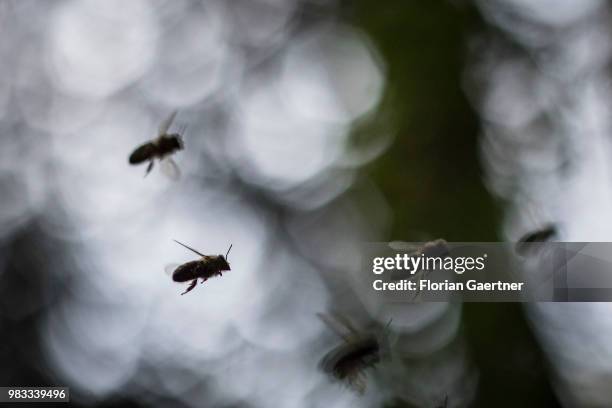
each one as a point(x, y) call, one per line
point(296, 128)
point(41, 106)
point(56, 112)
point(331, 75)
point(283, 148)
point(554, 12)
point(5, 92)
point(319, 191)
point(257, 22)
point(296, 294)
point(97, 48)
point(192, 59)
point(266, 378)
point(512, 97)
point(23, 193)
point(86, 360)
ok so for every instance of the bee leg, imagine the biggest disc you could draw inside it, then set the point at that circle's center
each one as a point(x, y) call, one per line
point(149, 168)
point(204, 280)
point(191, 286)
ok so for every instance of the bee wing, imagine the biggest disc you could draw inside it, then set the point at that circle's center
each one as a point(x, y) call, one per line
point(359, 382)
point(170, 169)
point(346, 323)
point(329, 360)
point(444, 403)
point(439, 247)
point(165, 125)
point(336, 326)
point(168, 269)
point(403, 246)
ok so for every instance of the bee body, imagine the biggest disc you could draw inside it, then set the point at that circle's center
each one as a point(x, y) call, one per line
point(542, 235)
point(359, 351)
point(143, 153)
point(164, 145)
point(431, 249)
point(531, 242)
point(204, 268)
point(348, 361)
point(157, 148)
point(168, 144)
point(439, 247)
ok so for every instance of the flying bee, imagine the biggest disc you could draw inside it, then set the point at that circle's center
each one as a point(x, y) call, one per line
point(348, 361)
point(532, 241)
point(204, 268)
point(431, 249)
point(164, 145)
point(444, 403)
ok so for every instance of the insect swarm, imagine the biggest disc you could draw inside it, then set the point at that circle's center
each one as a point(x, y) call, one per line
point(348, 361)
point(203, 268)
point(164, 145)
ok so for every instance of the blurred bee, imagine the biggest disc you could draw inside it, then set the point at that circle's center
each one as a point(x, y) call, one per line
point(348, 361)
point(431, 249)
point(204, 268)
point(529, 243)
point(444, 403)
point(439, 247)
point(160, 148)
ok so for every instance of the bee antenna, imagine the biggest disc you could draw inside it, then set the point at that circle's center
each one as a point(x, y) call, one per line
point(230, 248)
point(387, 326)
point(189, 248)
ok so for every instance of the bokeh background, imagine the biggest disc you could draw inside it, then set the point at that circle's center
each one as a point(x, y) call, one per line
point(312, 127)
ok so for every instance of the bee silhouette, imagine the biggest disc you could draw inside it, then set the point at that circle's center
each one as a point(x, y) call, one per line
point(531, 242)
point(164, 145)
point(348, 361)
point(431, 249)
point(439, 247)
point(444, 403)
point(204, 268)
